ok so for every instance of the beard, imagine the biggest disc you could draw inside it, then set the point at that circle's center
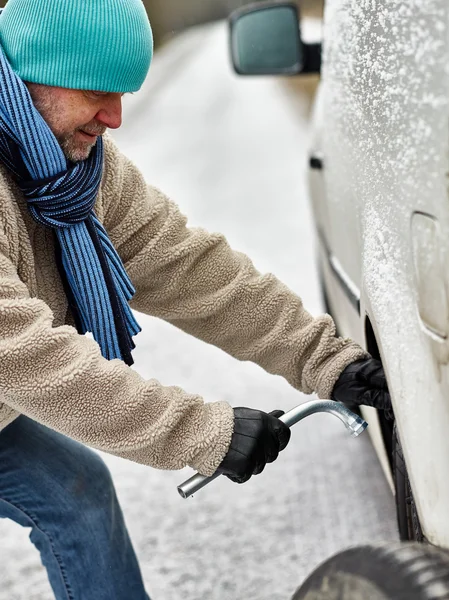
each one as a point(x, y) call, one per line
point(76, 150)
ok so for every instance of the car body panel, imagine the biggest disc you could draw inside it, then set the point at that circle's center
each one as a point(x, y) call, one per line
point(381, 129)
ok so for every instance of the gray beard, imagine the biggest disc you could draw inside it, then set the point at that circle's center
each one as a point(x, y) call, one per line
point(74, 151)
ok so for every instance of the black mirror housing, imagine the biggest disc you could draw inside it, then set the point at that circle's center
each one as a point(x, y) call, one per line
point(265, 39)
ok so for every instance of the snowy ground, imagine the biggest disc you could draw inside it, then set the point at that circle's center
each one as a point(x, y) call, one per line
point(232, 153)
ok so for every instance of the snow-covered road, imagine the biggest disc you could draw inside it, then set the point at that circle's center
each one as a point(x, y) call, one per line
point(232, 153)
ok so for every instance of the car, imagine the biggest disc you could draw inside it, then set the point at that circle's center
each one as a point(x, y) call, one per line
point(378, 182)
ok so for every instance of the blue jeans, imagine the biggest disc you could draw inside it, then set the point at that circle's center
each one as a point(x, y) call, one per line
point(64, 492)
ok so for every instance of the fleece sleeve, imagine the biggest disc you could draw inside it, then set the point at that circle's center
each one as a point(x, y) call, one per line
point(59, 378)
point(194, 280)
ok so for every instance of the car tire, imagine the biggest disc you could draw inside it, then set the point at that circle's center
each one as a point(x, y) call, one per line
point(407, 514)
point(387, 572)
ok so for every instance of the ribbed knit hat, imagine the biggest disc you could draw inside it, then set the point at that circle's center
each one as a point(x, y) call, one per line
point(101, 45)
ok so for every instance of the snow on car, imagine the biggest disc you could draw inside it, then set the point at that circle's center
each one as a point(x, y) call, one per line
point(379, 163)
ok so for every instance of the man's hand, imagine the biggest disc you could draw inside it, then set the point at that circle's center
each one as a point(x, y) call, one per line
point(363, 382)
point(257, 440)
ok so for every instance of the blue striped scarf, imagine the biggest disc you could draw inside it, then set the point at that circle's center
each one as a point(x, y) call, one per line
point(62, 195)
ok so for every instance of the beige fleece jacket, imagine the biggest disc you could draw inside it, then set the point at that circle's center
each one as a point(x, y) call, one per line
point(188, 277)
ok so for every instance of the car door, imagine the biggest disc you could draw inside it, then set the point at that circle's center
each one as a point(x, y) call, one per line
point(384, 144)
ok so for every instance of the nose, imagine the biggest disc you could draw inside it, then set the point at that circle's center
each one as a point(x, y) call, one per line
point(110, 114)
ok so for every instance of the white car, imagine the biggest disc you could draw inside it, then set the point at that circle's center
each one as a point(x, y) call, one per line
point(379, 185)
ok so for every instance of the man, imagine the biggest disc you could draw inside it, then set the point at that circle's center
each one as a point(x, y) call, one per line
point(81, 235)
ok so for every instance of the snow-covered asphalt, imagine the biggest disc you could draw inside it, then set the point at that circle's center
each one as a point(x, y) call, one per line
point(232, 152)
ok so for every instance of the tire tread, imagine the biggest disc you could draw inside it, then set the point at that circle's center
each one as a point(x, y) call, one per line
point(409, 571)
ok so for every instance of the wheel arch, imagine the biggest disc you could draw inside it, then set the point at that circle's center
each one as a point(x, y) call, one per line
point(386, 425)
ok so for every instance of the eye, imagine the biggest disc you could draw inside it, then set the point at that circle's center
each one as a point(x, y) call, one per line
point(92, 94)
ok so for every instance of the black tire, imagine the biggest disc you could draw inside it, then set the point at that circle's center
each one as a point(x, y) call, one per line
point(407, 514)
point(387, 572)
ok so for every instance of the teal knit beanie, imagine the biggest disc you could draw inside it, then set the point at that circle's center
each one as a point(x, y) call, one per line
point(99, 45)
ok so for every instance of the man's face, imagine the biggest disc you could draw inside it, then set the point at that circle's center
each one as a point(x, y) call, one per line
point(77, 117)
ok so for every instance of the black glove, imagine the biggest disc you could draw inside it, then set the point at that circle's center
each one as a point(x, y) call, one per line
point(363, 382)
point(257, 440)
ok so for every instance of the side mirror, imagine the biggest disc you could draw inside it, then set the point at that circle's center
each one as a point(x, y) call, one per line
point(266, 40)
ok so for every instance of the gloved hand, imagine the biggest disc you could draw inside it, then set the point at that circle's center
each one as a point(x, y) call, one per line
point(257, 440)
point(363, 382)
